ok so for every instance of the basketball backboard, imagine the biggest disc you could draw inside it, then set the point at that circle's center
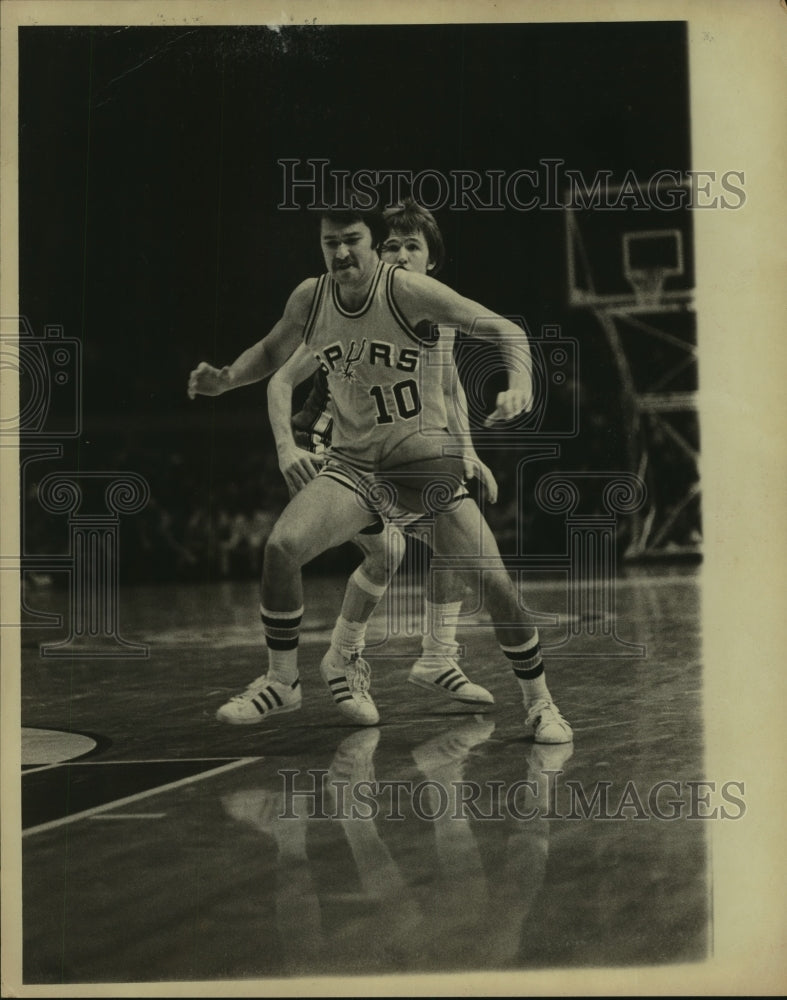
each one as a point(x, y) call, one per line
point(627, 251)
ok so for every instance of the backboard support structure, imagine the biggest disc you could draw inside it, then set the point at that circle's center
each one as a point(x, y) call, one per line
point(632, 269)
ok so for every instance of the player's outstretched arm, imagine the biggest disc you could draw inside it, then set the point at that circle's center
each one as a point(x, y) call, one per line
point(297, 465)
point(422, 298)
point(262, 358)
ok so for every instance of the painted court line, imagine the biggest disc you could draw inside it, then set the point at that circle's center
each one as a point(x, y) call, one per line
point(129, 816)
point(147, 760)
point(242, 762)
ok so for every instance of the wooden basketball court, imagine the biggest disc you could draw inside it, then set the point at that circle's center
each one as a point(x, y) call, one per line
point(161, 845)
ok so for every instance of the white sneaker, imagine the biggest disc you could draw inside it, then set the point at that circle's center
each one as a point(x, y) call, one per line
point(261, 698)
point(348, 680)
point(443, 674)
point(547, 724)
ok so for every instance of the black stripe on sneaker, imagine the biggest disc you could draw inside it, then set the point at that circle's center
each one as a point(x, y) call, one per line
point(256, 702)
point(451, 680)
point(340, 690)
point(274, 695)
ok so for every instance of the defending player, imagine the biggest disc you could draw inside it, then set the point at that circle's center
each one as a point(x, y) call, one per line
point(415, 243)
point(371, 327)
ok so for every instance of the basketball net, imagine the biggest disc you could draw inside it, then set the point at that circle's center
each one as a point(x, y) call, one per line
point(647, 284)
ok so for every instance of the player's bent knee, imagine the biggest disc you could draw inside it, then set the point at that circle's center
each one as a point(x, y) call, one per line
point(284, 547)
point(382, 555)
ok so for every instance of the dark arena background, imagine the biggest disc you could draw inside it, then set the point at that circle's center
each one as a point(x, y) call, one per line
point(153, 165)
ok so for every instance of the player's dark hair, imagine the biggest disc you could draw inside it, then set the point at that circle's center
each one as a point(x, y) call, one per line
point(346, 217)
point(349, 206)
point(410, 217)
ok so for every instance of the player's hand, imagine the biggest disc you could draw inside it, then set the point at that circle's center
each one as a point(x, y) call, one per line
point(475, 467)
point(510, 404)
point(206, 380)
point(298, 467)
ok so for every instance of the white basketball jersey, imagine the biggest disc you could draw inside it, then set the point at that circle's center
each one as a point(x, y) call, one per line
point(376, 364)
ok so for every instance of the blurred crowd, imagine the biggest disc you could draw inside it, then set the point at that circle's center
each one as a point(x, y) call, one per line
point(216, 491)
point(210, 513)
point(204, 523)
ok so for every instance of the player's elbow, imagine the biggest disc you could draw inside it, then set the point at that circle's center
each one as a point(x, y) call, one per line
point(280, 392)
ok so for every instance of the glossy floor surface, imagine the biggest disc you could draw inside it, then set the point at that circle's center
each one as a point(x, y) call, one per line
point(160, 844)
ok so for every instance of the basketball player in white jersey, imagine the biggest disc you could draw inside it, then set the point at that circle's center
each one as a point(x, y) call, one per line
point(415, 243)
point(370, 327)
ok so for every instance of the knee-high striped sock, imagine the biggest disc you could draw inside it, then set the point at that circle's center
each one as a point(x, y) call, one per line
point(528, 668)
point(281, 637)
point(360, 599)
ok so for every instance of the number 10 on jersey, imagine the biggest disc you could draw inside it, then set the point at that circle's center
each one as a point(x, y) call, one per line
point(402, 398)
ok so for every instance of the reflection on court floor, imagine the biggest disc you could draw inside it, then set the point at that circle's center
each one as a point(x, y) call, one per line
point(441, 840)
